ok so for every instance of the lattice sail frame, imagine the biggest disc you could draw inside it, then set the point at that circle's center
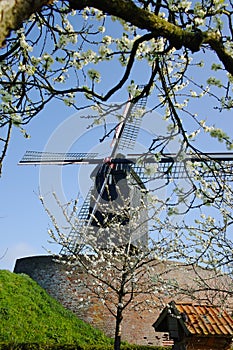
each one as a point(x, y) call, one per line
point(132, 125)
point(207, 166)
point(56, 158)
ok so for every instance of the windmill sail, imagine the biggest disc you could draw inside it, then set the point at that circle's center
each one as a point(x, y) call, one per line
point(169, 166)
point(132, 125)
point(166, 166)
point(75, 240)
point(56, 158)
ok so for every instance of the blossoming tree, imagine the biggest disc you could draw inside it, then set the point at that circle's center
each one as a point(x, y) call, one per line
point(134, 275)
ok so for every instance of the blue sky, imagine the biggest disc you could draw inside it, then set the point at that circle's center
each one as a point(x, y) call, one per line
point(23, 222)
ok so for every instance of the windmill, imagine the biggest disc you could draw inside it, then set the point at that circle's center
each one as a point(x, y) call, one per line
point(119, 192)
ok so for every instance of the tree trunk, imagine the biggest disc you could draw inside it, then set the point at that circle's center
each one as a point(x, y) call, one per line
point(14, 12)
point(119, 317)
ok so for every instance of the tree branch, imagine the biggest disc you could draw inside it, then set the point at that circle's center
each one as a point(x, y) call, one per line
point(143, 19)
point(215, 42)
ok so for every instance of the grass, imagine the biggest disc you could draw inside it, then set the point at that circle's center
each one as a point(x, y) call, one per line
point(29, 315)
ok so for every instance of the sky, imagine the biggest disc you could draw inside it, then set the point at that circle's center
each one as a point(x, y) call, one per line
point(23, 220)
point(23, 223)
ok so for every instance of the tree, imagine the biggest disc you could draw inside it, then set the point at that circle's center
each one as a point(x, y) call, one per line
point(127, 267)
point(65, 41)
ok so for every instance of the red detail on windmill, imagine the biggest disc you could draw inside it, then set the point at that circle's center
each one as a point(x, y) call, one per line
point(108, 160)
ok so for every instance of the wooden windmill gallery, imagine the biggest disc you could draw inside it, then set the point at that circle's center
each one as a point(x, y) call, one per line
point(114, 220)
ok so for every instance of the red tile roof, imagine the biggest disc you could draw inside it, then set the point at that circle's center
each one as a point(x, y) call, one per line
point(205, 319)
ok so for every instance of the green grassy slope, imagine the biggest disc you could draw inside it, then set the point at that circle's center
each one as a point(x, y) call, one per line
point(29, 315)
